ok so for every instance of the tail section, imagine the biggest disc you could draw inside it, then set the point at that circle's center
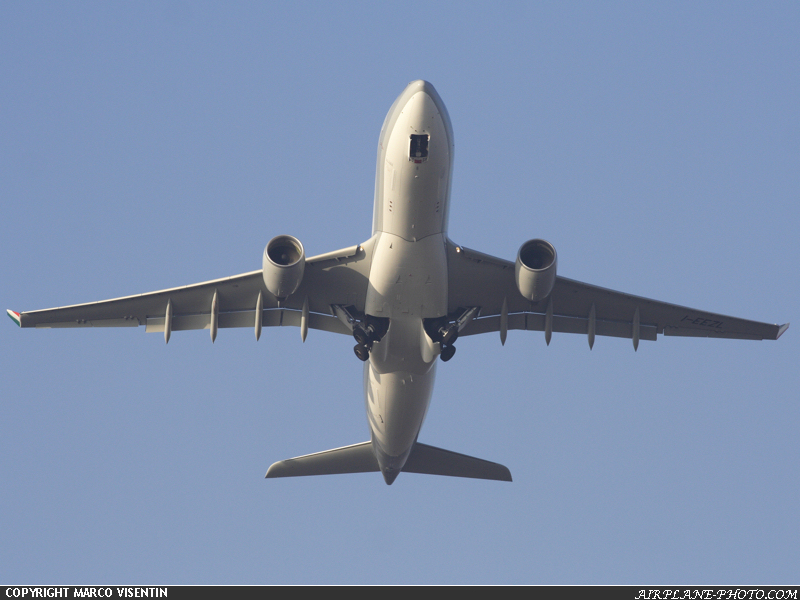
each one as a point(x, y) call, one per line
point(360, 458)
point(357, 458)
point(436, 461)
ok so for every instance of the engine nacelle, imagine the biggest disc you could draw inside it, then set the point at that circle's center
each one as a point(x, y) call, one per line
point(535, 270)
point(283, 265)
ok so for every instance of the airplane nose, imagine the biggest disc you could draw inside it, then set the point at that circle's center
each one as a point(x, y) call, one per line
point(426, 87)
point(420, 85)
point(432, 100)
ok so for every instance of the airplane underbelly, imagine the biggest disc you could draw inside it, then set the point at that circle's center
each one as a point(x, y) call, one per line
point(398, 385)
point(408, 275)
point(408, 279)
point(414, 198)
point(396, 406)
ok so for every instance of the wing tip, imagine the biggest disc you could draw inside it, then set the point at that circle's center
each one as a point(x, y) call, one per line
point(273, 468)
point(781, 330)
point(16, 318)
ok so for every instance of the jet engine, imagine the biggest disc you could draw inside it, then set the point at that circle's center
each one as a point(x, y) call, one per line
point(283, 265)
point(535, 270)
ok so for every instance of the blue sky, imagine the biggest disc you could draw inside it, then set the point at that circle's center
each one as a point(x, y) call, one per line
point(151, 145)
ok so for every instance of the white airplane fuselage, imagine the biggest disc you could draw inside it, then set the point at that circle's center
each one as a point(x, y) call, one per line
point(408, 276)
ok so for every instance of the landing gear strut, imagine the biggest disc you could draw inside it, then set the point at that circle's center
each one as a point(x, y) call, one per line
point(446, 333)
point(366, 333)
point(450, 335)
point(364, 336)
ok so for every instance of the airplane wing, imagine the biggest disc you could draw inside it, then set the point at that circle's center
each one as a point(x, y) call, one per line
point(334, 279)
point(480, 280)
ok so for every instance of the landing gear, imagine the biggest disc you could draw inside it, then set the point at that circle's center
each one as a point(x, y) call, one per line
point(450, 335)
point(447, 353)
point(362, 352)
point(363, 337)
point(366, 333)
point(441, 330)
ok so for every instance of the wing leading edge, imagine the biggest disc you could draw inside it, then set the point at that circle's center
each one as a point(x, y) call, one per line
point(334, 279)
point(481, 280)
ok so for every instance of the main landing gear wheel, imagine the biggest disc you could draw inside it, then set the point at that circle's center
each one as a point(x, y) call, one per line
point(361, 336)
point(362, 352)
point(447, 353)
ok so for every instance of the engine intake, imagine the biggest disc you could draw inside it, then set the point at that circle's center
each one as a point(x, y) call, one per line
point(535, 269)
point(283, 265)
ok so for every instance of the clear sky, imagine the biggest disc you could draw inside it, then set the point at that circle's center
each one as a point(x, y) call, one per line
point(149, 145)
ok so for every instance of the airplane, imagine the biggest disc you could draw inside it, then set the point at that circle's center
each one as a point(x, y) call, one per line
point(406, 295)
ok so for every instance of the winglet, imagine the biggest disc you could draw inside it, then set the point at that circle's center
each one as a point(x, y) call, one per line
point(15, 317)
point(781, 329)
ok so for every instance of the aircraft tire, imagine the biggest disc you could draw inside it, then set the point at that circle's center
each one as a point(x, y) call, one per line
point(447, 353)
point(362, 352)
point(360, 336)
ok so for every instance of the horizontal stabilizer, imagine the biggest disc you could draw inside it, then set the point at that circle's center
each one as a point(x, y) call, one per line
point(436, 461)
point(357, 458)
